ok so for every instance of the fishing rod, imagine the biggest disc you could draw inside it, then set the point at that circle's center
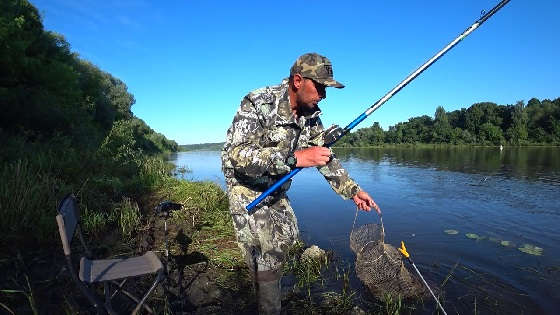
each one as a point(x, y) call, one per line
point(407, 255)
point(339, 133)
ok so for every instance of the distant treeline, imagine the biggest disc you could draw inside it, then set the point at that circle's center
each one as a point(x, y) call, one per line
point(202, 146)
point(485, 123)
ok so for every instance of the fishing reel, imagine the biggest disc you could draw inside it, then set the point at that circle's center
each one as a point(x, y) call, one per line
point(332, 134)
point(165, 208)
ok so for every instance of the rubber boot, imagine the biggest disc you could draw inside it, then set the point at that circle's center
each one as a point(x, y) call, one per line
point(269, 296)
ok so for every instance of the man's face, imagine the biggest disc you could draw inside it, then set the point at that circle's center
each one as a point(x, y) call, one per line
point(310, 94)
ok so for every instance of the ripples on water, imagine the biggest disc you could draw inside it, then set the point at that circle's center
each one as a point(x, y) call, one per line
point(512, 195)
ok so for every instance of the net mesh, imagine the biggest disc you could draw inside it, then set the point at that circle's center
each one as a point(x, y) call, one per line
point(380, 266)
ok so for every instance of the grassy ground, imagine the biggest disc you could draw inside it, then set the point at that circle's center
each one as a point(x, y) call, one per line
point(206, 271)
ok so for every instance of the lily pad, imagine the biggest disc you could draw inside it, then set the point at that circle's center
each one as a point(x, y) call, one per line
point(472, 236)
point(531, 250)
point(451, 232)
point(506, 243)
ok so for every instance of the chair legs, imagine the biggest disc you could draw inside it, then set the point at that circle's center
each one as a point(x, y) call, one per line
point(139, 302)
point(108, 306)
point(159, 278)
point(119, 287)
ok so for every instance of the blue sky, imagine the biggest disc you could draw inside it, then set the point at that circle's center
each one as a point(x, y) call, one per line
point(189, 63)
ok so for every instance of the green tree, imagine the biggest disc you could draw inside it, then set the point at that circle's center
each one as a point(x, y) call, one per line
point(518, 132)
point(490, 133)
point(394, 134)
point(457, 118)
point(46, 90)
point(543, 121)
point(484, 123)
point(442, 128)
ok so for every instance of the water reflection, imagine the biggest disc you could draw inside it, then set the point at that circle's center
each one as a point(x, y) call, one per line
point(510, 196)
point(200, 166)
point(540, 163)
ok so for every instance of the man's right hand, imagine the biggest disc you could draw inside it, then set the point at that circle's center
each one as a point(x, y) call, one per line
point(313, 156)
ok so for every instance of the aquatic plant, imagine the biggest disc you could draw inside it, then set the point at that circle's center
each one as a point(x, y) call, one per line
point(393, 304)
point(531, 250)
point(506, 243)
point(451, 232)
point(472, 236)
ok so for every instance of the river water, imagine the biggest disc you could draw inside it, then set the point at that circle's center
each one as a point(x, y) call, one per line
point(510, 199)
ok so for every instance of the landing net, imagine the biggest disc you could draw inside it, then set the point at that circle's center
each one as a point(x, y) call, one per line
point(380, 266)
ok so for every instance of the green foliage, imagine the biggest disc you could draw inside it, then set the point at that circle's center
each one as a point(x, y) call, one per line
point(442, 128)
point(392, 305)
point(490, 134)
point(43, 173)
point(67, 126)
point(364, 137)
point(206, 211)
point(94, 222)
point(515, 124)
point(306, 271)
point(202, 146)
point(121, 145)
point(45, 89)
point(129, 216)
point(27, 200)
point(483, 123)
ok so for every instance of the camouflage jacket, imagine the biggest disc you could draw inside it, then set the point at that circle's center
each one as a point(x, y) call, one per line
point(263, 132)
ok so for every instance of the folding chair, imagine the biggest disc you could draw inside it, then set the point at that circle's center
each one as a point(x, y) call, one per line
point(106, 271)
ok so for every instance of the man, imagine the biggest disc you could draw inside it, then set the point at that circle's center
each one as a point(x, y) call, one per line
point(276, 129)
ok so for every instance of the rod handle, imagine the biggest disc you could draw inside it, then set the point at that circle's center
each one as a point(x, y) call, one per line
point(272, 188)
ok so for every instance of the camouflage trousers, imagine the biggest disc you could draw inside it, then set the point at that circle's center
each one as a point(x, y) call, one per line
point(264, 235)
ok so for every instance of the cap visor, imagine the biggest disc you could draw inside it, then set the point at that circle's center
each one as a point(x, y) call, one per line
point(331, 83)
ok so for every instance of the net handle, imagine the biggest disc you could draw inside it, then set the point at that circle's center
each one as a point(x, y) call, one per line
point(380, 220)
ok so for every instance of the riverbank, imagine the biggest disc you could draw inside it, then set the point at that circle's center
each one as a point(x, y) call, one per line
point(200, 235)
point(206, 271)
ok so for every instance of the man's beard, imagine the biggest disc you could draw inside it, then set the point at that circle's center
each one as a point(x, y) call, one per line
point(306, 111)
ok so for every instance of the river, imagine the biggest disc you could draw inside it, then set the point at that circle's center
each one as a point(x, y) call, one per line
point(508, 201)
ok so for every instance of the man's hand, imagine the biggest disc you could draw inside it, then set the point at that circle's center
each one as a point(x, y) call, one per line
point(313, 156)
point(364, 202)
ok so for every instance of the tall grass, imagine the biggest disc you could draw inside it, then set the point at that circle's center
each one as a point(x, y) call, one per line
point(95, 222)
point(129, 216)
point(27, 200)
point(36, 176)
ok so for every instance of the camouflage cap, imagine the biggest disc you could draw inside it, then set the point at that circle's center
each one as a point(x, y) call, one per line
point(315, 67)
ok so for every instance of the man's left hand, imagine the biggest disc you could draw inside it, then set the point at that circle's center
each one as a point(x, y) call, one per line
point(364, 202)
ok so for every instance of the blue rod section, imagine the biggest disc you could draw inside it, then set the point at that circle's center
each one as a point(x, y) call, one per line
point(356, 121)
point(272, 188)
